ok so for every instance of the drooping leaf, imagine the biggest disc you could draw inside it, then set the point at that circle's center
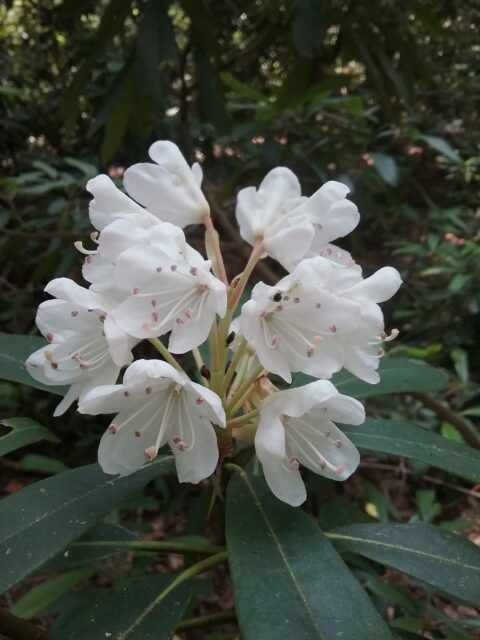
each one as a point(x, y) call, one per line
point(288, 580)
point(14, 350)
point(408, 440)
point(44, 594)
point(39, 521)
point(24, 431)
point(136, 612)
point(439, 558)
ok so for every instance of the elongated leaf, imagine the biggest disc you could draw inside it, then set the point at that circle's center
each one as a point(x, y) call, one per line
point(14, 350)
point(408, 440)
point(442, 146)
point(23, 431)
point(137, 612)
point(43, 595)
point(288, 580)
point(397, 375)
point(81, 552)
point(435, 556)
point(41, 520)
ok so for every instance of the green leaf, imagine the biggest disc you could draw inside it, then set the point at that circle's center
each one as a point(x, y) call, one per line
point(408, 440)
point(24, 431)
point(117, 120)
point(386, 168)
point(14, 350)
point(44, 464)
point(39, 521)
point(339, 512)
point(439, 558)
point(397, 375)
point(288, 580)
point(84, 552)
point(442, 146)
point(136, 612)
point(43, 595)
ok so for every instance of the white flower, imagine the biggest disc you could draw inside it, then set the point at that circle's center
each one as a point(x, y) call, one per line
point(362, 346)
point(293, 226)
point(297, 427)
point(86, 347)
point(157, 404)
point(169, 293)
point(170, 189)
point(122, 234)
point(295, 325)
point(109, 203)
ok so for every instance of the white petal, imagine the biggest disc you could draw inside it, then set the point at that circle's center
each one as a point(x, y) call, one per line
point(168, 189)
point(286, 484)
point(141, 372)
point(104, 399)
point(291, 241)
point(69, 398)
point(109, 202)
point(199, 462)
point(68, 290)
point(380, 286)
point(212, 408)
point(119, 342)
point(270, 436)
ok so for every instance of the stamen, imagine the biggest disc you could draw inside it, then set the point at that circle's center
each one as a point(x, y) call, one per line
point(148, 390)
point(136, 290)
point(74, 314)
point(183, 446)
point(173, 267)
point(79, 247)
point(296, 300)
point(153, 303)
point(102, 317)
point(158, 269)
point(294, 464)
point(333, 328)
point(138, 434)
point(126, 393)
point(155, 317)
point(49, 336)
point(150, 453)
point(199, 400)
point(275, 342)
point(189, 313)
point(338, 444)
point(112, 428)
point(318, 339)
point(318, 305)
point(279, 307)
point(193, 271)
point(310, 351)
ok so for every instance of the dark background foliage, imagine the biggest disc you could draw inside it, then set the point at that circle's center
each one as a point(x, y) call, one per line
point(382, 95)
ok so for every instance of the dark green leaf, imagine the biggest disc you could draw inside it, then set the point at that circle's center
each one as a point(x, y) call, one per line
point(339, 512)
point(437, 557)
point(24, 431)
point(136, 612)
point(36, 523)
point(44, 594)
point(14, 350)
point(408, 440)
point(288, 580)
point(397, 375)
point(84, 552)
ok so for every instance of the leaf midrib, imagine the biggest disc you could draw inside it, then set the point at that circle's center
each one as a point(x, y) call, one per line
point(282, 554)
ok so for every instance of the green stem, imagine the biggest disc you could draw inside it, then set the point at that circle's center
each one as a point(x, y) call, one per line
point(234, 422)
point(244, 391)
point(208, 620)
point(212, 239)
point(233, 365)
point(162, 349)
point(161, 546)
point(242, 280)
point(194, 570)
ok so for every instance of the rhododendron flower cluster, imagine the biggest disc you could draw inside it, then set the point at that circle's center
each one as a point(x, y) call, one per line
point(147, 284)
